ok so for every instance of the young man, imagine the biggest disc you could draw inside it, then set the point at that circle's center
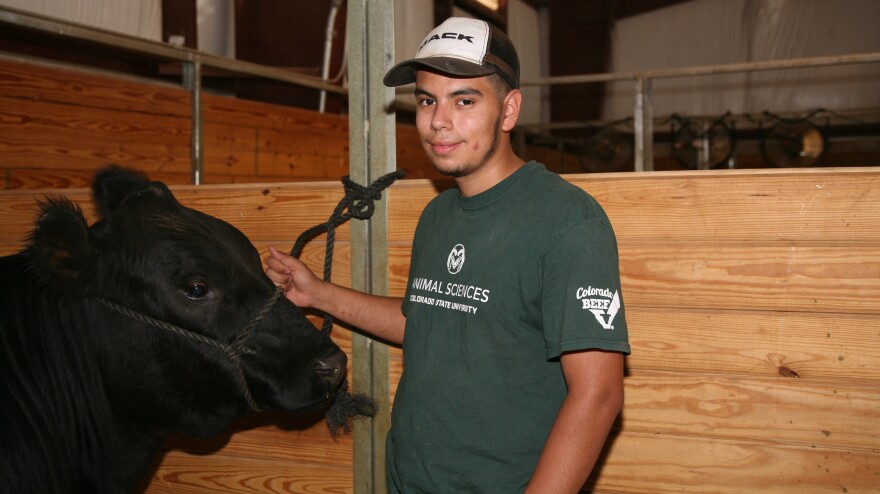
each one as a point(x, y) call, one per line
point(513, 326)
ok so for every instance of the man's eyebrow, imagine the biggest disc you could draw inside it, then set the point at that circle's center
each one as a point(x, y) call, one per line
point(460, 92)
point(467, 92)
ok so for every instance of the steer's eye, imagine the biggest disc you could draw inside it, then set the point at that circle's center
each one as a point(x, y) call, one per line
point(196, 290)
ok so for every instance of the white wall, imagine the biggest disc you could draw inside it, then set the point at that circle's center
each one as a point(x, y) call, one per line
point(524, 27)
point(215, 22)
point(141, 18)
point(709, 32)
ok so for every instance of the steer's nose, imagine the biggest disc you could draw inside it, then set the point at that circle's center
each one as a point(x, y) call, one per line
point(332, 368)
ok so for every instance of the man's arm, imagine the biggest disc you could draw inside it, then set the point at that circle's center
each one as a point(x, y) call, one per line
point(595, 397)
point(382, 317)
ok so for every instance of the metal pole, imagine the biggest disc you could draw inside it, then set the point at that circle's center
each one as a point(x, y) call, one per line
point(192, 81)
point(370, 26)
point(643, 123)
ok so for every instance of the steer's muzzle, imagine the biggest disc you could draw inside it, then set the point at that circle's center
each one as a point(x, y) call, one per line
point(332, 369)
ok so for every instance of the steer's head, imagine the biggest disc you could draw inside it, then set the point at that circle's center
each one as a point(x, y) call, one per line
point(189, 331)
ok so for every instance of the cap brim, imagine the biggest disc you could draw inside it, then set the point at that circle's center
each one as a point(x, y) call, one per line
point(405, 72)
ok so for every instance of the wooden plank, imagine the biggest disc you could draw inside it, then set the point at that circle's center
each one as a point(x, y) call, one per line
point(229, 150)
point(638, 462)
point(830, 279)
point(183, 474)
point(841, 204)
point(315, 154)
point(806, 412)
point(268, 211)
point(735, 345)
point(74, 86)
point(816, 205)
point(82, 138)
point(18, 212)
point(272, 436)
point(216, 173)
point(796, 276)
point(262, 211)
point(9, 248)
point(36, 134)
point(242, 112)
point(758, 343)
point(32, 178)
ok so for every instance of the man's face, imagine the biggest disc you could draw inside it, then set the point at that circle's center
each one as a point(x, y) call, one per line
point(458, 120)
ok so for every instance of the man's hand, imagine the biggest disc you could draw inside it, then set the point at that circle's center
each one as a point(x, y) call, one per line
point(376, 315)
point(299, 283)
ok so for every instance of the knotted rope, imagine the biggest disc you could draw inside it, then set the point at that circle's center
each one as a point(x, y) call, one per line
point(360, 203)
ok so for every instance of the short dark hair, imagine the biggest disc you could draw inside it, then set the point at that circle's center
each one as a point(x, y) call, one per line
point(500, 84)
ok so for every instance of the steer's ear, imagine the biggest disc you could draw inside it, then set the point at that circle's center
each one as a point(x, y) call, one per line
point(114, 184)
point(59, 250)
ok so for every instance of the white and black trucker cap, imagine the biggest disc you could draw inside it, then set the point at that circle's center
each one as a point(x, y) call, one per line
point(461, 47)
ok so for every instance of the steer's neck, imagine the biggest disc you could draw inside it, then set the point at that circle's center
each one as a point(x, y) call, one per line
point(54, 398)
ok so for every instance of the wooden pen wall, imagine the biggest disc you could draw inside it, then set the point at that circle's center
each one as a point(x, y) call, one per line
point(753, 300)
point(58, 124)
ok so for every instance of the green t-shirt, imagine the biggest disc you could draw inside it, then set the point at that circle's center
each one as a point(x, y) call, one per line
point(500, 285)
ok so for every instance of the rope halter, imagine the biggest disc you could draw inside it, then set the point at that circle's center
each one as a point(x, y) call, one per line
point(233, 350)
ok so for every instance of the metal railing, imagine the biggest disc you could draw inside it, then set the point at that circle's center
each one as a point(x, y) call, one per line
point(643, 121)
point(194, 61)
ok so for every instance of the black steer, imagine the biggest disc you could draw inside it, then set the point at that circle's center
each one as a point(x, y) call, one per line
point(157, 318)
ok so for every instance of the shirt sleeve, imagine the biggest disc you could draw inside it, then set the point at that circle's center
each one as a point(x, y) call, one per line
point(582, 302)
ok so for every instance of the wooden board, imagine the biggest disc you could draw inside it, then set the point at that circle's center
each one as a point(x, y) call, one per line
point(264, 212)
point(190, 474)
point(647, 462)
point(805, 412)
point(820, 204)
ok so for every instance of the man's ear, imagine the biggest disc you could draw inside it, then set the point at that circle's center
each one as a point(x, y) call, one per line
point(60, 251)
point(510, 108)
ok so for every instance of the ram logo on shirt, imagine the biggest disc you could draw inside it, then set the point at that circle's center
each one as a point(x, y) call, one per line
point(455, 261)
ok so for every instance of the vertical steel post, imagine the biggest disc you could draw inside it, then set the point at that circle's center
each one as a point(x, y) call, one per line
point(192, 81)
point(370, 26)
point(644, 126)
